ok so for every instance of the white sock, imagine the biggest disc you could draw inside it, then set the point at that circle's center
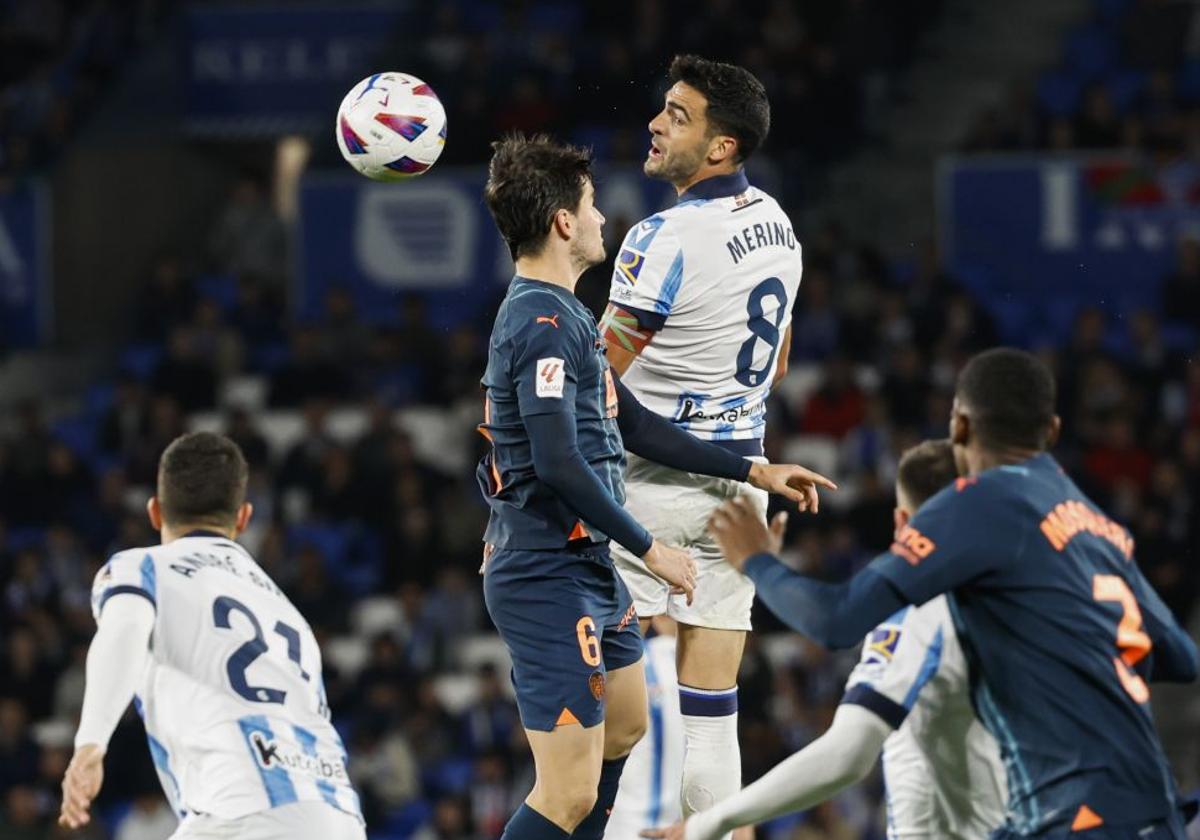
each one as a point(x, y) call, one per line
point(712, 759)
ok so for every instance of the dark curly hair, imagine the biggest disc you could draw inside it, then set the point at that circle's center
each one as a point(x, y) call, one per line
point(1009, 395)
point(529, 180)
point(737, 100)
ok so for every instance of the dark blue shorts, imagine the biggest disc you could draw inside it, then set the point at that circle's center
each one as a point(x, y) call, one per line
point(567, 620)
point(1166, 829)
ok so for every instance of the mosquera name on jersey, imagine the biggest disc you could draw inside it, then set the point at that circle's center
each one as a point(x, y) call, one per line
point(233, 700)
point(715, 278)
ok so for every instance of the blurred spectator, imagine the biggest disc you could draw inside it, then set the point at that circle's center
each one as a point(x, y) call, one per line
point(149, 819)
point(249, 237)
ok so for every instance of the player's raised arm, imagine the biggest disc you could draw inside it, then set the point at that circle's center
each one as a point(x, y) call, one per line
point(658, 439)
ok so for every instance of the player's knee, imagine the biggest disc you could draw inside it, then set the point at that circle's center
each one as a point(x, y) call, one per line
point(622, 741)
point(574, 804)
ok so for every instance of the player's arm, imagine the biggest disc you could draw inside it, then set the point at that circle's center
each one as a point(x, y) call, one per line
point(831, 763)
point(781, 365)
point(1173, 654)
point(624, 336)
point(116, 660)
point(657, 439)
point(945, 546)
point(646, 279)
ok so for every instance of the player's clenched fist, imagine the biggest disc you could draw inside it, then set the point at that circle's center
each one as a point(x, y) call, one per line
point(793, 481)
point(740, 532)
point(82, 782)
point(675, 566)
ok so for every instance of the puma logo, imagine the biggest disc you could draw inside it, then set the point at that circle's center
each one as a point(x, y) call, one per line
point(552, 320)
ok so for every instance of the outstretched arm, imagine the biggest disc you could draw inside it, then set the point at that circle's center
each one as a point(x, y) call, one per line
point(836, 760)
point(1173, 653)
point(116, 661)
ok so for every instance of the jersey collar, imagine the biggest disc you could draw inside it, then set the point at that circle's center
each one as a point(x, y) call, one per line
point(201, 532)
point(718, 186)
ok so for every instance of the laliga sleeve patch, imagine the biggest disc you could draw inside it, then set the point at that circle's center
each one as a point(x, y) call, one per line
point(550, 378)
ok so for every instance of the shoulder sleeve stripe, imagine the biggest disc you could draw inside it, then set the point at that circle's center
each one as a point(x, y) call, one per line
point(124, 589)
point(670, 285)
point(888, 710)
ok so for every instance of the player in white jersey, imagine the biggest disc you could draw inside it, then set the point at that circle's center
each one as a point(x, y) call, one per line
point(224, 671)
point(699, 326)
point(909, 696)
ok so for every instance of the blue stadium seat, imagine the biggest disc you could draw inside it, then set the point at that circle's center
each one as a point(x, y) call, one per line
point(221, 289)
point(1058, 93)
point(20, 539)
point(1090, 52)
point(141, 360)
point(1124, 88)
point(1188, 82)
point(78, 433)
point(270, 357)
point(451, 776)
point(330, 541)
point(404, 823)
point(98, 399)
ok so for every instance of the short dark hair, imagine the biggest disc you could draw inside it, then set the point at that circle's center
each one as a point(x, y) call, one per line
point(737, 100)
point(1009, 396)
point(925, 469)
point(202, 480)
point(529, 180)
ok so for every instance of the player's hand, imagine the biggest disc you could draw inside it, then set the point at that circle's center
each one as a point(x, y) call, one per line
point(741, 533)
point(673, 832)
point(791, 480)
point(80, 785)
point(488, 551)
point(675, 566)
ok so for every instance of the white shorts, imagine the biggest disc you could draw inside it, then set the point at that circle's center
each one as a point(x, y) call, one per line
point(297, 821)
point(675, 506)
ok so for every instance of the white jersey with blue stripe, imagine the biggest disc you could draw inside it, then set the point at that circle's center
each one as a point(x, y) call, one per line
point(233, 700)
point(942, 769)
point(648, 796)
point(715, 277)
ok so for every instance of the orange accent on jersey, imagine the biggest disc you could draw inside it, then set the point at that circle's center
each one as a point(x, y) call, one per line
point(482, 429)
point(912, 545)
point(629, 617)
point(1069, 519)
point(552, 320)
point(962, 483)
point(579, 533)
point(1086, 818)
point(1132, 640)
point(548, 371)
point(566, 718)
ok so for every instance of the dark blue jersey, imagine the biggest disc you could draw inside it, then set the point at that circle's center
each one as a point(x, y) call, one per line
point(1062, 632)
point(545, 357)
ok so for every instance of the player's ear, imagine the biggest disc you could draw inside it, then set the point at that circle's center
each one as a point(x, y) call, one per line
point(900, 518)
point(564, 224)
point(154, 513)
point(243, 516)
point(722, 148)
point(1054, 432)
point(960, 427)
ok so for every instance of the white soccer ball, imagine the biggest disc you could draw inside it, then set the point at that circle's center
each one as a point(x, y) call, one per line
point(391, 126)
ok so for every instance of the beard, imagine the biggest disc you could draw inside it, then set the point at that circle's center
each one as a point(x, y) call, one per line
point(585, 255)
point(676, 167)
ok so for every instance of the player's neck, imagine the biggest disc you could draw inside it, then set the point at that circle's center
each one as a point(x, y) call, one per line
point(986, 459)
point(553, 267)
point(703, 174)
point(170, 533)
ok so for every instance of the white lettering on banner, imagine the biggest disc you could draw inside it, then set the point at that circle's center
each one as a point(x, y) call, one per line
point(1060, 211)
point(249, 61)
point(420, 236)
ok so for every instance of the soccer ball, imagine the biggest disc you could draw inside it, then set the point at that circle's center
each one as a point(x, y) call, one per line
point(391, 126)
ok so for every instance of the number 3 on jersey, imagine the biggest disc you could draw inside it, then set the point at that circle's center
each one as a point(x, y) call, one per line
point(761, 328)
point(1132, 640)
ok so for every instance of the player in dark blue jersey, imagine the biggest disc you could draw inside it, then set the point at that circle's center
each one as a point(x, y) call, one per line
point(560, 422)
point(1061, 630)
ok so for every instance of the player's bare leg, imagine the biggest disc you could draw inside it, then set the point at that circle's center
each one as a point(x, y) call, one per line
point(708, 662)
point(625, 721)
point(567, 761)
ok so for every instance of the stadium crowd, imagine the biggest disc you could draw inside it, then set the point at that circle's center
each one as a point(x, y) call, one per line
point(360, 439)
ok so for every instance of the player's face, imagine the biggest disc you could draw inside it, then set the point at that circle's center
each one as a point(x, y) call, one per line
point(587, 246)
point(679, 137)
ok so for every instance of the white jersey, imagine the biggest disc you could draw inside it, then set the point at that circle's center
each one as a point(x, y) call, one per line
point(942, 770)
point(233, 700)
point(715, 277)
point(648, 795)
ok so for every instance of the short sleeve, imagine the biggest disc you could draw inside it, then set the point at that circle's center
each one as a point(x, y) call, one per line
point(899, 658)
point(546, 359)
point(129, 572)
point(648, 272)
point(962, 533)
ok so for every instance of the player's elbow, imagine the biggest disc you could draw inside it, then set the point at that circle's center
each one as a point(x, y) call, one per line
point(1188, 668)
